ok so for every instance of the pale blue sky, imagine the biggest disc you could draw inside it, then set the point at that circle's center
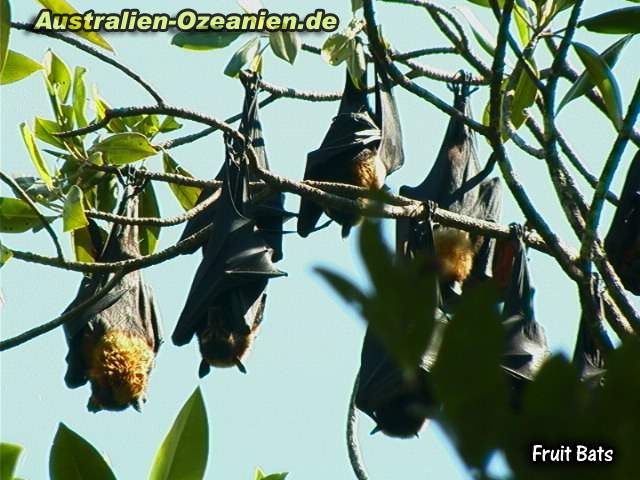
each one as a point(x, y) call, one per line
point(288, 413)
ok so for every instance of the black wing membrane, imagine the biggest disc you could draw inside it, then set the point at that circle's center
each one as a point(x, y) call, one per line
point(398, 405)
point(622, 243)
point(269, 213)
point(225, 304)
point(526, 342)
point(113, 344)
point(360, 148)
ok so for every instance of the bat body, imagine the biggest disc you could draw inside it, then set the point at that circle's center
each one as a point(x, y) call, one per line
point(525, 342)
point(361, 148)
point(398, 404)
point(269, 213)
point(113, 344)
point(622, 243)
point(455, 183)
point(225, 304)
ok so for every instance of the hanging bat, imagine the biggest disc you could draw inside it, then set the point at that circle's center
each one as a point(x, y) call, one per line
point(113, 344)
point(525, 342)
point(587, 355)
point(622, 243)
point(399, 405)
point(225, 304)
point(456, 183)
point(268, 213)
point(361, 148)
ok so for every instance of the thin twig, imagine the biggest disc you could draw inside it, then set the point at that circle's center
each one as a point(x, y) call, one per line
point(94, 52)
point(17, 189)
point(353, 445)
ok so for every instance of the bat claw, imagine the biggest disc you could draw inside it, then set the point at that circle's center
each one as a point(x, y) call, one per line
point(375, 430)
point(430, 207)
point(240, 366)
point(516, 230)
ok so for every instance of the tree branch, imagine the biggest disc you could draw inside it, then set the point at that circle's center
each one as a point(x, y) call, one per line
point(353, 445)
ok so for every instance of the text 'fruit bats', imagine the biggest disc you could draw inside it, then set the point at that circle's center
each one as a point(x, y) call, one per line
point(113, 344)
point(361, 148)
point(226, 302)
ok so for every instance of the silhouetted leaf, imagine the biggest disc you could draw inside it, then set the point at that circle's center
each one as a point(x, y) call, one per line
point(285, 45)
point(620, 21)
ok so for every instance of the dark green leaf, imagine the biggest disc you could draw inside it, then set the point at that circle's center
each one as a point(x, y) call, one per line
point(61, 6)
point(184, 451)
point(9, 453)
point(621, 21)
point(244, 55)
point(524, 95)
point(149, 207)
point(73, 458)
point(16, 216)
point(602, 76)
point(34, 153)
point(5, 29)
point(276, 476)
point(468, 377)
point(357, 63)
point(210, 40)
point(356, 5)
point(17, 67)
point(79, 96)
point(73, 216)
point(336, 49)
point(186, 196)
point(285, 45)
point(522, 20)
point(149, 126)
point(83, 246)
point(583, 83)
point(58, 75)
point(107, 194)
point(349, 292)
point(115, 125)
point(123, 148)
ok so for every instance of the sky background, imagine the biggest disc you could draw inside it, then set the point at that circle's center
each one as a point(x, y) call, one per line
point(288, 413)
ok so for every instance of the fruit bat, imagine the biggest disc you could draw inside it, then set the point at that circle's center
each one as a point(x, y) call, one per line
point(360, 148)
point(525, 341)
point(456, 183)
point(587, 356)
point(400, 405)
point(113, 344)
point(269, 213)
point(226, 302)
point(622, 242)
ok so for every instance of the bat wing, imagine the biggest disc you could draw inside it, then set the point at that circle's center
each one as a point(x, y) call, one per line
point(236, 257)
point(526, 343)
point(622, 242)
point(390, 151)
point(488, 208)
point(352, 131)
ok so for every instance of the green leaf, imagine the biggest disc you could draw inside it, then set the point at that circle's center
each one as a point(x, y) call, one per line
point(61, 6)
point(210, 40)
point(485, 39)
point(184, 451)
point(169, 124)
point(621, 21)
point(17, 67)
point(5, 256)
point(276, 476)
point(149, 207)
point(43, 130)
point(186, 196)
point(524, 96)
point(149, 126)
point(16, 216)
point(79, 96)
point(285, 45)
point(34, 153)
point(5, 29)
point(73, 458)
point(583, 83)
point(83, 245)
point(115, 125)
point(244, 55)
point(522, 20)
point(338, 47)
point(73, 216)
point(486, 3)
point(123, 148)
point(357, 63)
point(602, 76)
point(9, 453)
point(58, 75)
point(107, 194)
point(356, 5)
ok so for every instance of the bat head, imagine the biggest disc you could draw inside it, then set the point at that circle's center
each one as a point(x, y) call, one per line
point(454, 252)
point(119, 364)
